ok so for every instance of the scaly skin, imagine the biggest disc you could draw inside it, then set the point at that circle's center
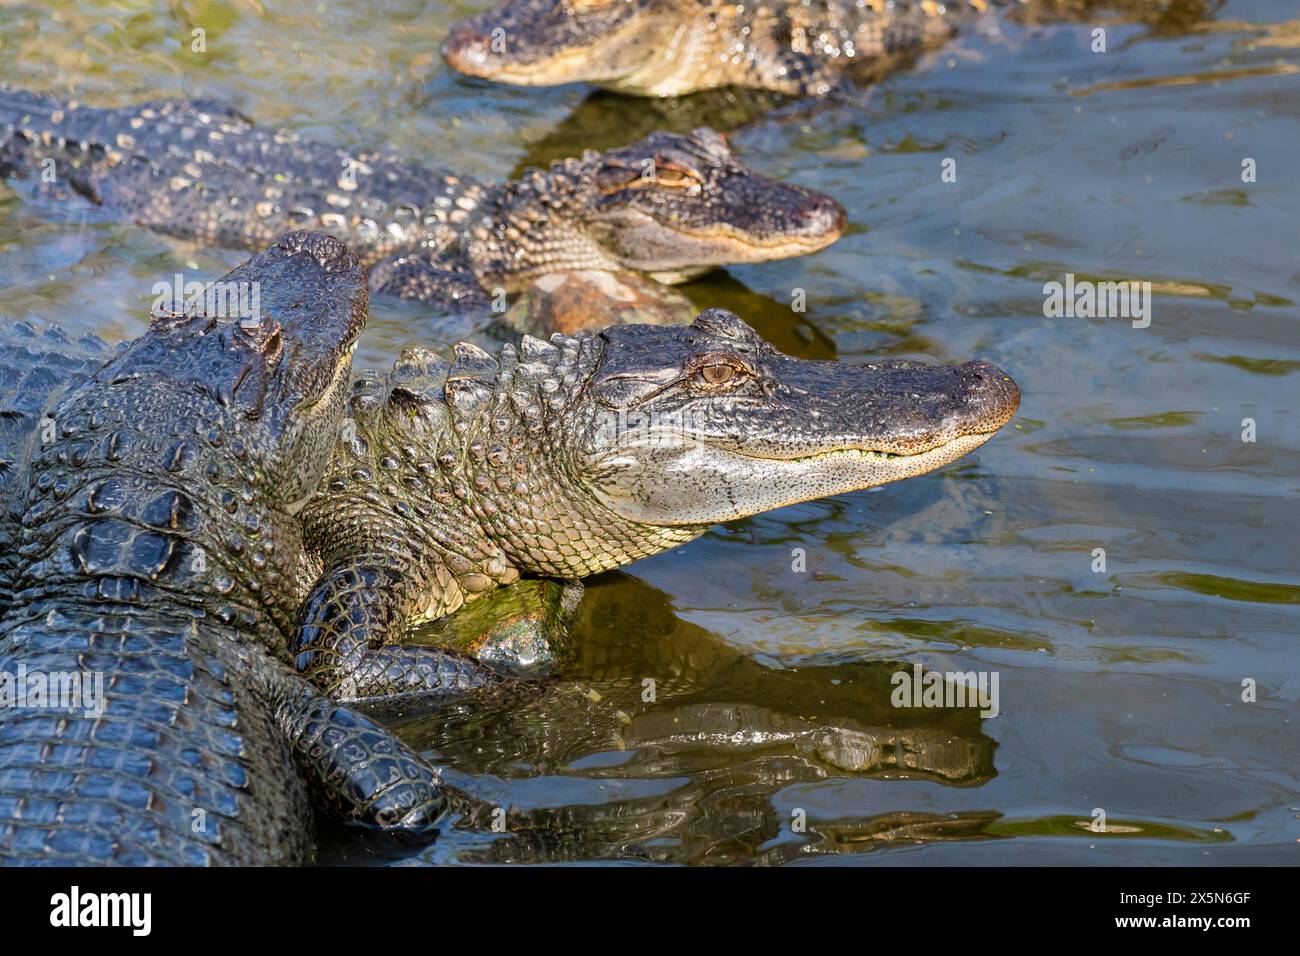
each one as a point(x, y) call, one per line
point(796, 47)
point(672, 47)
point(670, 206)
point(157, 544)
point(582, 455)
point(35, 369)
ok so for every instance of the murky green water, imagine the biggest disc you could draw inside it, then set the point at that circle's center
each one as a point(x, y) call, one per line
point(772, 737)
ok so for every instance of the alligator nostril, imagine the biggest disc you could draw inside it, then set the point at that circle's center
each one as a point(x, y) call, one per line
point(833, 214)
point(465, 50)
point(989, 394)
point(826, 217)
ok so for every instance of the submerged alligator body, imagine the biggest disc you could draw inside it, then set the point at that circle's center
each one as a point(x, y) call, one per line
point(672, 47)
point(151, 556)
point(670, 206)
point(567, 458)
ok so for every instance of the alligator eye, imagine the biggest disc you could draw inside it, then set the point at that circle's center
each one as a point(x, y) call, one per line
point(718, 374)
point(616, 175)
point(674, 177)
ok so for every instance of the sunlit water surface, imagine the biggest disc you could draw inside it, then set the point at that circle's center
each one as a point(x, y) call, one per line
point(772, 738)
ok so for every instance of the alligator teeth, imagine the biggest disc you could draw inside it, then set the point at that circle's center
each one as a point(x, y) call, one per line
point(865, 455)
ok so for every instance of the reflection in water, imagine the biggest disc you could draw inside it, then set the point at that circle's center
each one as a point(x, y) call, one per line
point(723, 734)
point(790, 331)
point(606, 120)
point(1167, 18)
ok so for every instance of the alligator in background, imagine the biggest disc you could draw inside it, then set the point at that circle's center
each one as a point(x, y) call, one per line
point(566, 458)
point(155, 541)
point(673, 47)
point(670, 206)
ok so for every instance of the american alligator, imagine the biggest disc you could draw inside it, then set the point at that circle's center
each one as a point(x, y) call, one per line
point(156, 546)
point(575, 456)
point(671, 47)
point(670, 206)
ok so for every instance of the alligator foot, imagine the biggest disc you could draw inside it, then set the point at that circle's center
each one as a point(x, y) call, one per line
point(360, 770)
point(338, 645)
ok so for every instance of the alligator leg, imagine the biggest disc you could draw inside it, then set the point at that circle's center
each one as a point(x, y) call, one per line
point(425, 280)
point(339, 642)
point(360, 770)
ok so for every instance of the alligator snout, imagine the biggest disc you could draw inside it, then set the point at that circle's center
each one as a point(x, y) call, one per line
point(466, 50)
point(778, 219)
point(990, 395)
point(825, 217)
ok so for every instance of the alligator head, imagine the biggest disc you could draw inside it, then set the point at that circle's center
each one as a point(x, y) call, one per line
point(672, 206)
point(546, 42)
point(586, 453)
point(674, 47)
point(181, 464)
point(265, 385)
point(713, 423)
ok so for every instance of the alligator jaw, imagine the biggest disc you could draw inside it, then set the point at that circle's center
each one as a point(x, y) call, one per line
point(709, 486)
point(745, 218)
point(736, 246)
point(471, 59)
point(907, 464)
point(767, 430)
point(543, 43)
point(743, 249)
point(854, 469)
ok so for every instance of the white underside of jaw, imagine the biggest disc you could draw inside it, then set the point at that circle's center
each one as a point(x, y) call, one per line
point(704, 485)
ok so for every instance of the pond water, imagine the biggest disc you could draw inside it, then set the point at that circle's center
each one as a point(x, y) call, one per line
point(772, 737)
